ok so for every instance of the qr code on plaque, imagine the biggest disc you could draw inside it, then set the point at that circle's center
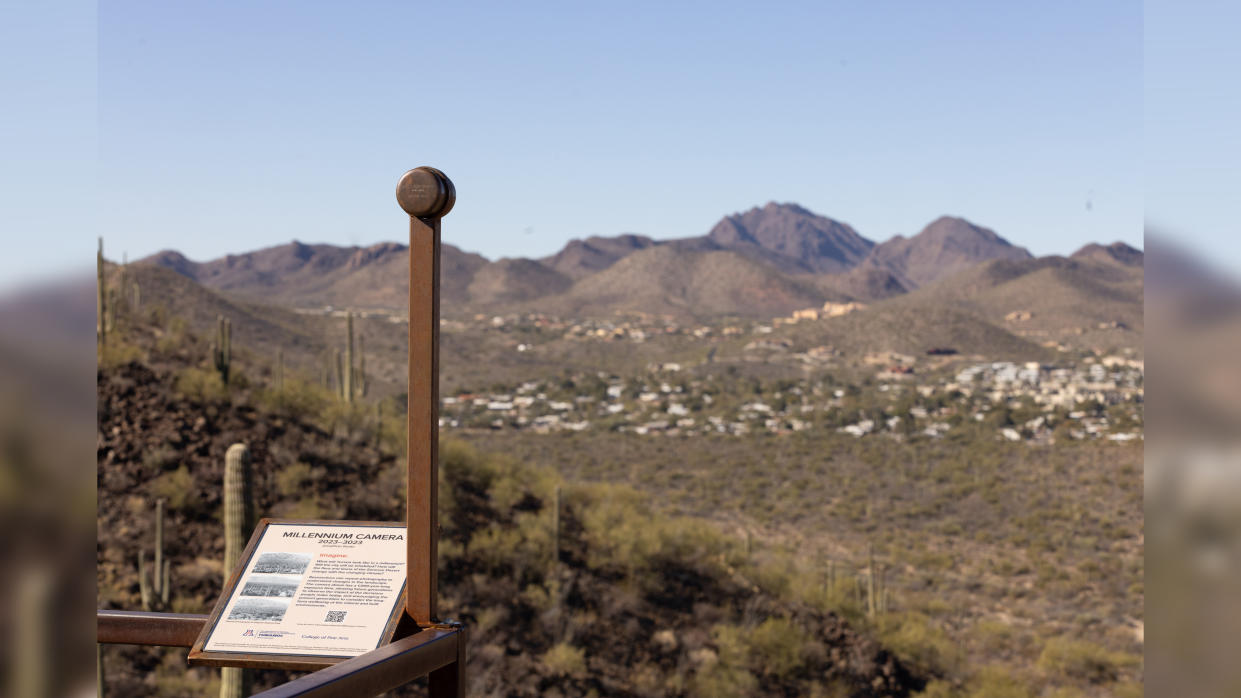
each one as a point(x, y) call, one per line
point(335, 617)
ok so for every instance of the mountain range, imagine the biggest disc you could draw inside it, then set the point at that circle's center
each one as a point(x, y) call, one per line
point(766, 261)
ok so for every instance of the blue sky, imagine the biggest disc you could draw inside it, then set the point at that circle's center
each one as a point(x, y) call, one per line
point(1192, 110)
point(228, 126)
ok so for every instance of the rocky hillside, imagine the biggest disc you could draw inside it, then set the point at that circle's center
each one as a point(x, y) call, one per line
point(793, 238)
point(302, 275)
point(637, 604)
point(582, 258)
point(945, 247)
point(693, 284)
point(1115, 253)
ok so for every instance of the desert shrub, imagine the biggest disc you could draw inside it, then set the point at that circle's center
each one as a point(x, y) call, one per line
point(155, 459)
point(919, 640)
point(1081, 660)
point(623, 534)
point(996, 682)
point(174, 336)
point(715, 680)
point(778, 647)
point(200, 384)
point(565, 660)
point(488, 618)
point(298, 398)
point(175, 487)
point(350, 417)
point(513, 528)
point(309, 507)
point(995, 636)
point(726, 672)
point(938, 689)
point(776, 574)
point(291, 479)
point(118, 352)
point(523, 548)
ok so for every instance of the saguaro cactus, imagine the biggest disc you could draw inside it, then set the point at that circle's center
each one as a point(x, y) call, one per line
point(222, 348)
point(870, 581)
point(156, 591)
point(238, 521)
point(347, 390)
point(884, 595)
point(280, 370)
point(101, 297)
point(123, 284)
point(113, 308)
point(556, 532)
point(238, 503)
point(361, 379)
point(340, 375)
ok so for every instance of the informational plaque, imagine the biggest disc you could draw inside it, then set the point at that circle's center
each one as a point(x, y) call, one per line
point(307, 594)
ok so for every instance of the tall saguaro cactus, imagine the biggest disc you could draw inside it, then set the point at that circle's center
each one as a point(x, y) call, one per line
point(347, 389)
point(156, 591)
point(340, 375)
point(238, 522)
point(113, 308)
point(122, 286)
point(871, 599)
point(350, 378)
point(222, 348)
point(361, 367)
point(238, 503)
point(556, 532)
point(101, 297)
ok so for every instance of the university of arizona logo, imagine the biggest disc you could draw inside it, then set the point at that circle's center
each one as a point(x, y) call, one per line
point(248, 633)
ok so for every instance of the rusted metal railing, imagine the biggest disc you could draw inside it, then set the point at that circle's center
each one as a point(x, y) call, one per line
point(424, 646)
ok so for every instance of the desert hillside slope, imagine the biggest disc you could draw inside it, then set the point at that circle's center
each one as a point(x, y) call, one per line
point(607, 616)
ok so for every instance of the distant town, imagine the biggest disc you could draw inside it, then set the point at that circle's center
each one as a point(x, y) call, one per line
point(891, 395)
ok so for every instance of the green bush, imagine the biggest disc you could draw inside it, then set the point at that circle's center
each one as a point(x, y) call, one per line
point(996, 682)
point(565, 660)
point(726, 673)
point(292, 479)
point(718, 681)
point(919, 640)
point(778, 647)
point(117, 352)
point(200, 384)
point(938, 689)
point(175, 487)
point(1065, 657)
point(623, 534)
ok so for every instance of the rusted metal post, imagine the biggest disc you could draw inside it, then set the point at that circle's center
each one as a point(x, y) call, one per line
point(426, 195)
point(449, 680)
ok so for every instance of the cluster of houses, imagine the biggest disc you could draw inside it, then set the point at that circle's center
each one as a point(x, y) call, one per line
point(1079, 402)
point(635, 327)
